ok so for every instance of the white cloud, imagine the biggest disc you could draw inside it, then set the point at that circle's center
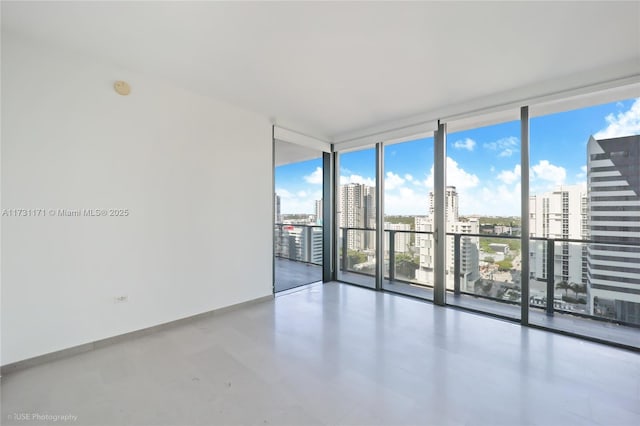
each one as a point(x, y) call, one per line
point(456, 176)
point(403, 200)
point(428, 182)
point(508, 176)
point(315, 177)
point(501, 200)
point(546, 171)
point(400, 199)
point(467, 144)
point(499, 197)
point(392, 181)
point(625, 123)
point(406, 201)
point(476, 197)
point(283, 193)
point(299, 202)
point(506, 146)
point(357, 179)
point(583, 172)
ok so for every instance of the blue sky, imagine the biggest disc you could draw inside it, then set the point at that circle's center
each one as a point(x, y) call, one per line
point(482, 163)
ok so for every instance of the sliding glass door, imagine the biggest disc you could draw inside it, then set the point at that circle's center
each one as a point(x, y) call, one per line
point(356, 218)
point(585, 221)
point(298, 226)
point(408, 224)
point(483, 255)
point(565, 257)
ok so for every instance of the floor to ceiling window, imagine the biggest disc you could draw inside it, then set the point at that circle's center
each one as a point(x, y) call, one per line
point(356, 217)
point(408, 233)
point(482, 202)
point(585, 220)
point(298, 224)
point(582, 222)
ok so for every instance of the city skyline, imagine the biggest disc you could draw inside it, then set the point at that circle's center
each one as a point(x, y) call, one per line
point(482, 163)
point(604, 269)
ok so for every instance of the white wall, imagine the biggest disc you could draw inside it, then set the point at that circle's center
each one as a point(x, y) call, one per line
point(194, 173)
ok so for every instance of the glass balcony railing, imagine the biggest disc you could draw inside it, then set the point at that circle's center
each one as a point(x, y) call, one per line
point(298, 255)
point(584, 278)
point(357, 256)
point(408, 263)
point(402, 256)
point(302, 243)
point(487, 267)
point(594, 279)
point(574, 279)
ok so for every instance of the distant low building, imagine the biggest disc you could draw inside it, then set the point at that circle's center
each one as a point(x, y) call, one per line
point(499, 248)
point(303, 243)
point(502, 230)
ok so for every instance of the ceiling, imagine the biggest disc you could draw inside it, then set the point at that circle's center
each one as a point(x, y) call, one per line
point(287, 153)
point(333, 70)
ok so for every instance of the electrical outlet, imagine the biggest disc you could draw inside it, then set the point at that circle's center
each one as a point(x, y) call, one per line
point(121, 299)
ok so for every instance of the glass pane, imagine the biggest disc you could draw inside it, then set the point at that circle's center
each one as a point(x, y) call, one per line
point(408, 172)
point(585, 186)
point(298, 227)
point(483, 197)
point(356, 218)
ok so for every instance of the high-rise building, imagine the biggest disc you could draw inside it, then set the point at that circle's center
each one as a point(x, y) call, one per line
point(357, 209)
point(318, 212)
point(469, 253)
point(560, 215)
point(351, 211)
point(315, 250)
point(369, 217)
point(276, 204)
point(613, 173)
point(469, 246)
point(451, 201)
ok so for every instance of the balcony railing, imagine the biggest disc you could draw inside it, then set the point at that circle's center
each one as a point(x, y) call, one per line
point(302, 243)
point(473, 269)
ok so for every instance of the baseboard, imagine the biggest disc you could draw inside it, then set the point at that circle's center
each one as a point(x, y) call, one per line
point(86, 347)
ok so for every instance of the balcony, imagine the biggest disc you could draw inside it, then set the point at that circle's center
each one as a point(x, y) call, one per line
point(490, 283)
point(298, 255)
point(293, 273)
point(477, 278)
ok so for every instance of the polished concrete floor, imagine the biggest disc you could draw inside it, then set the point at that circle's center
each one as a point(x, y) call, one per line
point(336, 354)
